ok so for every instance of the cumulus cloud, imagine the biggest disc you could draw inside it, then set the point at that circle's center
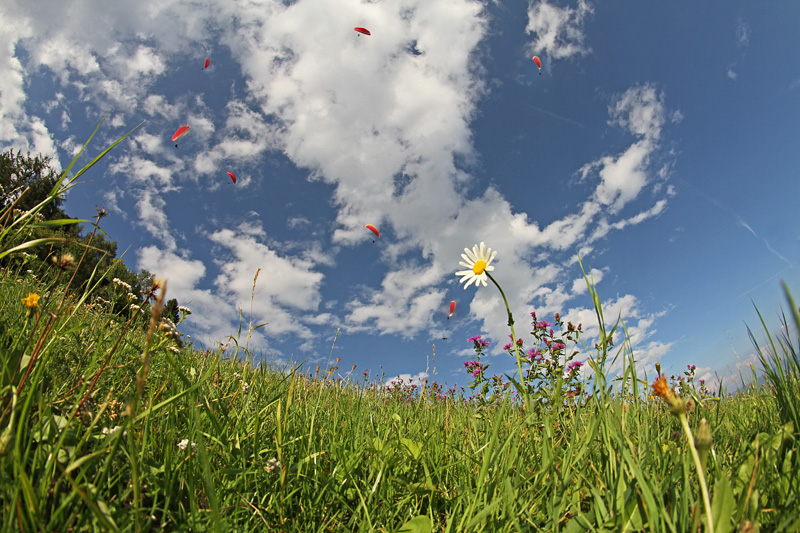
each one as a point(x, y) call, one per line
point(287, 287)
point(641, 111)
point(558, 30)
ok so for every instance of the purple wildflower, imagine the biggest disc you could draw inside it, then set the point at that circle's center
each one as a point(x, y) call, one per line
point(574, 366)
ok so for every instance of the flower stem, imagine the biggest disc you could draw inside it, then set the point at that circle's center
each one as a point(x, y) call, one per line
point(699, 467)
point(513, 336)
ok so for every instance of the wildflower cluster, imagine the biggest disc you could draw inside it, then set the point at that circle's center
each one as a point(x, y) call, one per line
point(242, 382)
point(399, 391)
point(686, 384)
point(488, 390)
point(170, 331)
point(119, 282)
point(550, 367)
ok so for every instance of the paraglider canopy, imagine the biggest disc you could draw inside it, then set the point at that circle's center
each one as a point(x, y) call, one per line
point(374, 230)
point(180, 132)
point(232, 177)
point(208, 62)
point(452, 308)
point(365, 31)
point(538, 63)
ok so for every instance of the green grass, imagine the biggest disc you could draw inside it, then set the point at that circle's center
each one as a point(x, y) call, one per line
point(353, 456)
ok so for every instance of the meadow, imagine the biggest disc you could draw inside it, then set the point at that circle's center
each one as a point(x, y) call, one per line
point(110, 419)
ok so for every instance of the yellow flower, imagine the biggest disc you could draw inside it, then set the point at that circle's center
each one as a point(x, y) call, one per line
point(478, 262)
point(31, 301)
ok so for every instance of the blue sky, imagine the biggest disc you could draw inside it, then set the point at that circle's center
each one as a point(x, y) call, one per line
point(660, 143)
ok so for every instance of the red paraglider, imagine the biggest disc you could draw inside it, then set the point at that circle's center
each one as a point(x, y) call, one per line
point(365, 31)
point(208, 62)
point(538, 63)
point(374, 230)
point(180, 133)
point(452, 308)
point(232, 177)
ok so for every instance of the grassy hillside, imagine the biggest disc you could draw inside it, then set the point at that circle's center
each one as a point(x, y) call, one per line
point(110, 422)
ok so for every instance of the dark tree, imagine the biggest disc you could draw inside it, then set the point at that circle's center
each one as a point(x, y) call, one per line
point(33, 176)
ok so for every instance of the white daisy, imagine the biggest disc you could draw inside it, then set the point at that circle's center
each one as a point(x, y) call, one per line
point(477, 260)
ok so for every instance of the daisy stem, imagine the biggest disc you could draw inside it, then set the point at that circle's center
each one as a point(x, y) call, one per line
point(511, 325)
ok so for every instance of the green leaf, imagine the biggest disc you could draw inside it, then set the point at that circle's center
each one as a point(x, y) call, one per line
point(722, 506)
point(418, 524)
point(31, 244)
point(413, 448)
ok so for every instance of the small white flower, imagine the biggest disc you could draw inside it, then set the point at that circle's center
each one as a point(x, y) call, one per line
point(184, 443)
point(272, 466)
point(173, 350)
point(478, 261)
point(184, 310)
point(135, 307)
point(113, 430)
point(245, 387)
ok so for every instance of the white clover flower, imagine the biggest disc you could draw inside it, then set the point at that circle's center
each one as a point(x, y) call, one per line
point(184, 443)
point(273, 465)
point(478, 261)
point(113, 430)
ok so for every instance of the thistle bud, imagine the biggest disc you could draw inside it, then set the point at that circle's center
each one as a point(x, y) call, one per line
point(703, 441)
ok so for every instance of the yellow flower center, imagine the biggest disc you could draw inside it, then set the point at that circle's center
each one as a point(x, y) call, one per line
point(479, 267)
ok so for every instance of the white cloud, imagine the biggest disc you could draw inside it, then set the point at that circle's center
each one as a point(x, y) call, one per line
point(640, 109)
point(287, 288)
point(579, 284)
point(559, 31)
point(742, 33)
point(407, 380)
